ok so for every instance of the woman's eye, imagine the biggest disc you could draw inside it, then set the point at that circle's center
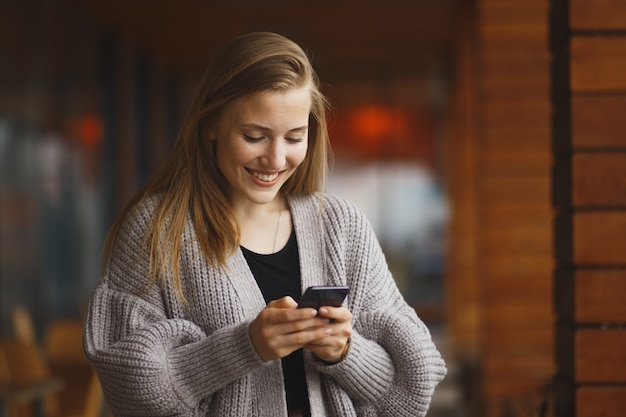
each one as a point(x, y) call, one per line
point(252, 138)
point(294, 140)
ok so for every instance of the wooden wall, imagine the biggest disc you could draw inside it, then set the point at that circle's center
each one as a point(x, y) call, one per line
point(589, 93)
point(462, 284)
point(498, 158)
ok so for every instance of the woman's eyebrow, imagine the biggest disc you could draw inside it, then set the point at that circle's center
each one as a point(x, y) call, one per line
point(300, 129)
point(267, 129)
point(254, 126)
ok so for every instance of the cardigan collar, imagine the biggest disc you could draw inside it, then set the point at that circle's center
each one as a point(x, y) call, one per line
point(307, 222)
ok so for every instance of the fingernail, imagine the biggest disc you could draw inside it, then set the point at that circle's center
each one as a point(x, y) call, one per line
point(323, 310)
point(327, 331)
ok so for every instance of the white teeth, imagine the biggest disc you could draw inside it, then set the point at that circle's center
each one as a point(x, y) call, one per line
point(263, 177)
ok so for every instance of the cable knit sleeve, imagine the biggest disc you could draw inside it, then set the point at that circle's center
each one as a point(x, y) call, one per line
point(392, 366)
point(150, 364)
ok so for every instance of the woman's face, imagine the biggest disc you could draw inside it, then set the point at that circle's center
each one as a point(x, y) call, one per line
point(261, 139)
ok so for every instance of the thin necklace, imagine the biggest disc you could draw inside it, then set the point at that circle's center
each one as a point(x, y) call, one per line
point(277, 229)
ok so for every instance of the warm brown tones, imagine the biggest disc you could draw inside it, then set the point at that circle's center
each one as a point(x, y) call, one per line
point(590, 189)
point(499, 283)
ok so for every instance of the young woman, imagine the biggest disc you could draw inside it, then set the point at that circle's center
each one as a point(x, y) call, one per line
point(196, 312)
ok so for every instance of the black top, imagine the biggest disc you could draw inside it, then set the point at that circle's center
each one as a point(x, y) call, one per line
point(278, 275)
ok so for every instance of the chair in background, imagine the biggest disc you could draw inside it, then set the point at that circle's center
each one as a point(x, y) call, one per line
point(63, 349)
point(5, 385)
point(23, 326)
point(28, 386)
point(94, 401)
point(61, 354)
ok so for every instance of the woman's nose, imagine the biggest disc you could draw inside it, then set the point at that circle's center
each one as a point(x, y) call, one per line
point(275, 154)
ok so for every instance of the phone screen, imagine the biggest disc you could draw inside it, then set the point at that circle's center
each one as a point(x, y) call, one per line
point(318, 296)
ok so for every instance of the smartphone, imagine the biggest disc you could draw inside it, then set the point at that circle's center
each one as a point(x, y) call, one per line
point(318, 296)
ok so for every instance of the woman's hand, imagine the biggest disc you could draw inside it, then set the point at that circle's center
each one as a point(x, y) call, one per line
point(282, 328)
point(333, 347)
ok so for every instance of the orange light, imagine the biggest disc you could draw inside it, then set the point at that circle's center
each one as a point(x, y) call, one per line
point(374, 131)
point(374, 123)
point(90, 130)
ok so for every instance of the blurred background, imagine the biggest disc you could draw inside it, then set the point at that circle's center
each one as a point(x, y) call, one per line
point(442, 130)
point(94, 93)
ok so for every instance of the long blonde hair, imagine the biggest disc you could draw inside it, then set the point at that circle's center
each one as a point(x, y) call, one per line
point(191, 184)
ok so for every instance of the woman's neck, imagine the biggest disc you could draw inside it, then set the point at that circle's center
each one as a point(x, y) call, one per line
point(265, 228)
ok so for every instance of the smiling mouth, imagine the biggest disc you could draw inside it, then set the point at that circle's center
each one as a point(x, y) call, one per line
point(264, 177)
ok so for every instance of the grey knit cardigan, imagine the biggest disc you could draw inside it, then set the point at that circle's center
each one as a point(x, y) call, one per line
point(157, 355)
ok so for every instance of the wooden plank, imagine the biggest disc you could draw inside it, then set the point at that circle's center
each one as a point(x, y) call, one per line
point(533, 45)
point(600, 296)
point(508, 366)
point(509, 88)
point(598, 121)
point(505, 287)
point(461, 281)
point(515, 164)
point(599, 238)
point(514, 376)
point(507, 191)
point(497, 389)
point(520, 138)
point(517, 267)
point(535, 112)
point(514, 132)
point(515, 63)
point(600, 401)
point(590, 296)
point(512, 22)
point(600, 355)
point(597, 14)
point(526, 303)
point(517, 240)
point(534, 339)
point(598, 64)
point(506, 315)
point(511, 69)
point(599, 179)
point(518, 215)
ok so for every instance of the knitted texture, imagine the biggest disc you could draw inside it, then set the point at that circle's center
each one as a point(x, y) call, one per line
point(157, 355)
